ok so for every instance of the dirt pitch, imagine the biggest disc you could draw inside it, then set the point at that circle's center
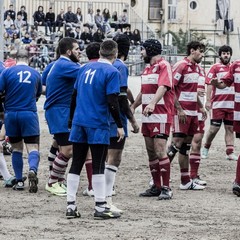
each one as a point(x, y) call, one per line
point(212, 214)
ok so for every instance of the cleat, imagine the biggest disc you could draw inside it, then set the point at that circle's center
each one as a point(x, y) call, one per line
point(232, 157)
point(63, 185)
point(56, 189)
point(72, 213)
point(199, 181)
point(112, 207)
point(166, 193)
point(19, 186)
point(7, 147)
point(151, 192)
point(88, 192)
point(33, 181)
point(9, 182)
point(106, 214)
point(191, 186)
point(204, 153)
point(236, 189)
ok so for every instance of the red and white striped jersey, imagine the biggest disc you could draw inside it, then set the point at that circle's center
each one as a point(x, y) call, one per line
point(185, 77)
point(154, 76)
point(220, 98)
point(232, 78)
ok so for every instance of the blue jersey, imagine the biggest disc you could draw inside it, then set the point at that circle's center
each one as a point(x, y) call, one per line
point(1, 67)
point(45, 73)
point(95, 81)
point(60, 83)
point(123, 70)
point(22, 85)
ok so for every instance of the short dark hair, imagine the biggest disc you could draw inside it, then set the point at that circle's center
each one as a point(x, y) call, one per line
point(108, 49)
point(92, 50)
point(194, 45)
point(224, 48)
point(66, 44)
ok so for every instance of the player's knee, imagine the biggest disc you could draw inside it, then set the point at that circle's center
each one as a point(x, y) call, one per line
point(172, 150)
point(184, 150)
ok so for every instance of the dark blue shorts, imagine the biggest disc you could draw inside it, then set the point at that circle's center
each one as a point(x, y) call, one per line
point(21, 124)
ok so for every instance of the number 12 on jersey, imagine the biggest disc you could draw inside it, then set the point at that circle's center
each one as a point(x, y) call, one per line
point(89, 73)
point(24, 76)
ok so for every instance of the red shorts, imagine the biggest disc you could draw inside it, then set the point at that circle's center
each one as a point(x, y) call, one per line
point(153, 129)
point(201, 127)
point(222, 114)
point(236, 126)
point(189, 128)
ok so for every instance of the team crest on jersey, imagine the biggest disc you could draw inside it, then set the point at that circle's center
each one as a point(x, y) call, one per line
point(177, 76)
point(221, 69)
point(210, 75)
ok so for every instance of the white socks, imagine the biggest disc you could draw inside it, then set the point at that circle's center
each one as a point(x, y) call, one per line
point(110, 175)
point(72, 186)
point(3, 168)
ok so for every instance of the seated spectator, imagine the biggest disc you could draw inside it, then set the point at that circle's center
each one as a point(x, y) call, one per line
point(99, 19)
point(77, 36)
point(26, 39)
point(42, 40)
point(123, 20)
point(98, 36)
point(7, 22)
point(19, 22)
point(44, 59)
point(90, 20)
point(33, 54)
point(14, 38)
point(39, 17)
point(69, 32)
point(71, 18)
point(33, 33)
point(10, 12)
point(86, 36)
point(79, 16)
point(114, 21)
point(136, 38)
point(61, 19)
point(50, 21)
point(106, 18)
point(128, 33)
point(117, 32)
point(23, 13)
point(12, 30)
point(6, 39)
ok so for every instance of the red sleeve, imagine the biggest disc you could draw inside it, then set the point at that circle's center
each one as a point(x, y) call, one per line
point(211, 74)
point(165, 75)
point(228, 79)
point(178, 72)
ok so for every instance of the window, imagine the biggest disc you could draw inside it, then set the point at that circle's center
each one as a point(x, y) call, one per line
point(154, 9)
point(193, 5)
point(172, 10)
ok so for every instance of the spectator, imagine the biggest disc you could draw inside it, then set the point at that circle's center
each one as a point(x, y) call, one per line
point(61, 19)
point(71, 18)
point(98, 36)
point(33, 54)
point(70, 32)
point(7, 22)
point(86, 36)
point(123, 20)
point(114, 21)
point(79, 16)
point(106, 17)
point(77, 36)
point(39, 17)
point(90, 20)
point(99, 19)
point(26, 39)
point(10, 12)
point(23, 13)
point(12, 30)
point(6, 39)
point(19, 22)
point(128, 32)
point(33, 33)
point(50, 21)
point(136, 38)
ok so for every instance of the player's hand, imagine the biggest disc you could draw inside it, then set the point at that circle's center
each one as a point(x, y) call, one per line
point(182, 116)
point(135, 127)
point(204, 113)
point(148, 110)
point(208, 105)
point(201, 92)
point(214, 82)
point(121, 134)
